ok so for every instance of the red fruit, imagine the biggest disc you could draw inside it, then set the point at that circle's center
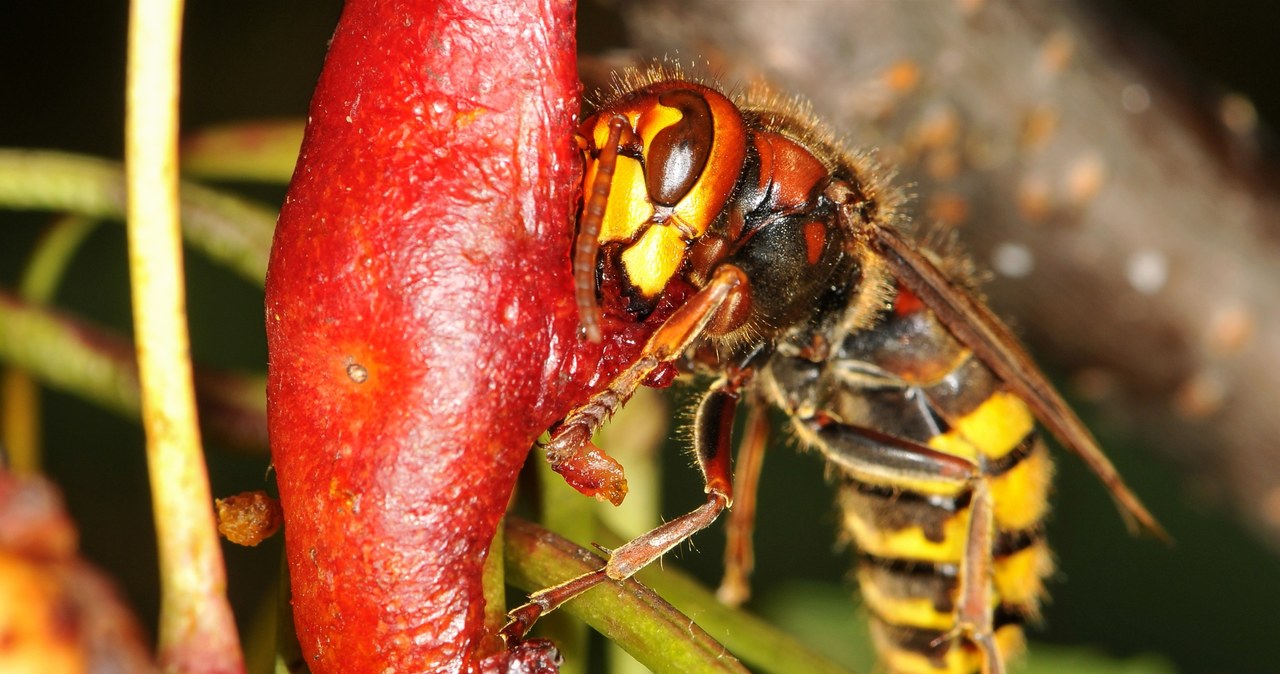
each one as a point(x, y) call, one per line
point(421, 322)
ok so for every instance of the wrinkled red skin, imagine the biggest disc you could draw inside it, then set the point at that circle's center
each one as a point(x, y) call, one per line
point(420, 321)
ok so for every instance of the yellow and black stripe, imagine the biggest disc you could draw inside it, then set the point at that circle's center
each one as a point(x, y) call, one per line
point(892, 410)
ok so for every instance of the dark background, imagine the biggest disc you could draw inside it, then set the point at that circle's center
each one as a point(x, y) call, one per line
point(1206, 605)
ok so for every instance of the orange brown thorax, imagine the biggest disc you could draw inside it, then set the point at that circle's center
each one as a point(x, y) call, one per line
point(691, 181)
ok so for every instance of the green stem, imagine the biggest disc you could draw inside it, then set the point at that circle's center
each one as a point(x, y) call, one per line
point(572, 516)
point(750, 638)
point(52, 256)
point(257, 151)
point(660, 636)
point(232, 231)
point(626, 613)
point(494, 590)
point(100, 366)
point(20, 416)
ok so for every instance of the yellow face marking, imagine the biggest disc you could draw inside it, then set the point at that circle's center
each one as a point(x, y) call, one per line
point(695, 209)
point(654, 259)
point(653, 120)
point(628, 209)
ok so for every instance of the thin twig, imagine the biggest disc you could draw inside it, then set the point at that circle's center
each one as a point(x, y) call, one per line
point(197, 629)
point(259, 151)
point(93, 363)
point(20, 416)
point(231, 230)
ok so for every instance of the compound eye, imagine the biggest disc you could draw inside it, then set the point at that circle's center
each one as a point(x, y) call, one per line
point(679, 153)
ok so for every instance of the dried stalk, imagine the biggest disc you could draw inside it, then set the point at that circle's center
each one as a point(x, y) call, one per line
point(197, 629)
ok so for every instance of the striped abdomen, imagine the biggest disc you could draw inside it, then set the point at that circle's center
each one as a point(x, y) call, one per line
point(890, 389)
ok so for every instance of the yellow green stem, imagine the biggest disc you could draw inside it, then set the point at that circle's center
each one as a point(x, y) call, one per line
point(258, 151)
point(20, 416)
point(97, 365)
point(230, 230)
point(197, 629)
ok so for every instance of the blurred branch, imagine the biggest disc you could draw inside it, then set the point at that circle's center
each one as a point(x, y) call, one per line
point(757, 642)
point(1135, 231)
point(20, 416)
point(69, 355)
point(261, 151)
point(52, 255)
point(233, 231)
